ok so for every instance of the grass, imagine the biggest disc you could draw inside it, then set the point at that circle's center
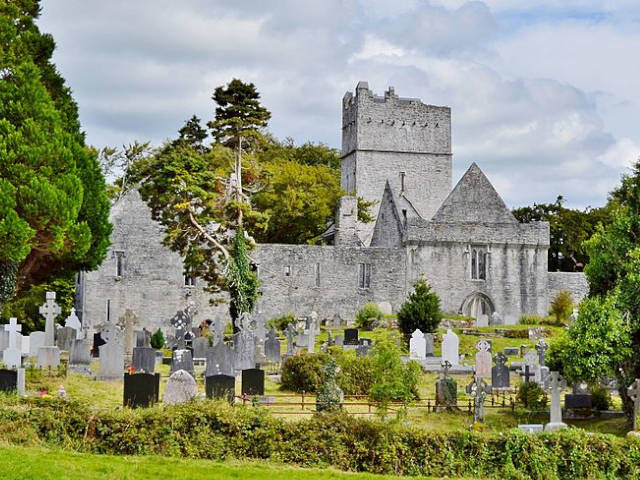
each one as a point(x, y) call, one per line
point(19, 463)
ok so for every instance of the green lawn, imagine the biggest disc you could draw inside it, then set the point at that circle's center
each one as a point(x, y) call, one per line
point(18, 463)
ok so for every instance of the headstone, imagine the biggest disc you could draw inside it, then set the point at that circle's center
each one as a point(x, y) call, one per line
point(312, 334)
point(363, 350)
point(73, 321)
point(330, 395)
point(339, 341)
point(111, 353)
point(65, 337)
point(483, 359)
point(244, 347)
point(500, 372)
point(221, 387)
point(555, 386)
point(127, 322)
point(350, 336)
point(417, 346)
point(24, 341)
point(450, 345)
point(526, 374)
point(12, 356)
point(49, 354)
point(182, 360)
point(535, 333)
point(446, 389)
point(272, 347)
point(496, 319)
point(181, 388)
point(97, 343)
point(541, 348)
point(8, 380)
point(80, 357)
point(252, 382)
point(428, 341)
point(633, 391)
point(290, 333)
point(478, 389)
point(482, 320)
point(144, 359)
point(574, 316)
point(4, 339)
point(180, 322)
point(200, 346)
point(143, 338)
point(511, 351)
point(141, 390)
point(531, 360)
point(219, 360)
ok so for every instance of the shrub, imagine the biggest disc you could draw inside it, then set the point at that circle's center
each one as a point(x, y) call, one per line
point(157, 340)
point(531, 320)
point(303, 372)
point(281, 323)
point(561, 306)
point(421, 310)
point(600, 398)
point(356, 374)
point(369, 313)
point(532, 396)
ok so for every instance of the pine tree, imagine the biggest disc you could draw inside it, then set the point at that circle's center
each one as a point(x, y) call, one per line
point(420, 311)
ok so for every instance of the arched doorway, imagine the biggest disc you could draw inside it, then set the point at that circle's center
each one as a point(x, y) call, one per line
point(477, 304)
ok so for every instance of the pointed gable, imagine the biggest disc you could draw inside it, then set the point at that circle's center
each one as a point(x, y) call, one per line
point(474, 200)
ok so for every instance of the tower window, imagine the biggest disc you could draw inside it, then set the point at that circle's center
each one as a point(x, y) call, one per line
point(108, 310)
point(402, 175)
point(317, 274)
point(364, 275)
point(119, 263)
point(404, 215)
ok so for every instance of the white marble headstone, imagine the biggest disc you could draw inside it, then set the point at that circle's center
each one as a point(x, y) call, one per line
point(12, 356)
point(417, 346)
point(450, 348)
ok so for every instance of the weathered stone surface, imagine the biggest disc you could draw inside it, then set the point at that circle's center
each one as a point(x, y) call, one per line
point(200, 346)
point(181, 387)
point(219, 360)
point(182, 359)
point(450, 345)
point(65, 337)
point(36, 340)
point(144, 359)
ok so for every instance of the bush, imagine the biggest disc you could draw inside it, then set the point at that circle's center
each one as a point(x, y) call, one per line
point(531, 320)
point(421, 310)
point(356, 374)
point(561, 307)
point(600, 398)
point(157, 340)
point(369, 313)
point(281, 323)
point(303, 373)
point(532, 396)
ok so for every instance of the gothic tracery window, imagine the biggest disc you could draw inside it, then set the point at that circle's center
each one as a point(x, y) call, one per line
point(479, 261)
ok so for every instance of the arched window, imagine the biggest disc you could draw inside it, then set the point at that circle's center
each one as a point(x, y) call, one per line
point(479, 261)
point(474, 264)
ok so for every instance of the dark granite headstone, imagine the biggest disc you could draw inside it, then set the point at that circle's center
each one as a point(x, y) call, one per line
point(577, 401)
point(500, 372)
point(428, 340)
point(8, 380)
point(200, 346)
point(219, 360)
point(97, 343)
point(350, 336)
point(446, 392)
point(253, 382)
point(221, 387)
point(144, 359)
point(182, 360)
point(141, 389)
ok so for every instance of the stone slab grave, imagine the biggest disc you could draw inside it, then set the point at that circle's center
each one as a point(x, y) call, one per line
point(49, 354)
point(24, 341)
point(141, 390)
point(8, 380)
point(350, 336)
point(65, 337)
point(144, 359)
point(272, 347)
point(446, 389)
point(417, 346)
point(500, 372)
point(4, 339)
point(221, 387)
point(483, 359)
point(12, 355)
point(182, 360)
point(219, 358)
point(143, 338)
point(80, 357)
point(36, 340)
point(252, 382)
point(450, 346)
point(111, 353)
point(128, 322)
point(290, 333)
point(200, 346)
point(181, 388)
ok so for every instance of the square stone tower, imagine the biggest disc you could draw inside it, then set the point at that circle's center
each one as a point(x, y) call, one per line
point(401, 140)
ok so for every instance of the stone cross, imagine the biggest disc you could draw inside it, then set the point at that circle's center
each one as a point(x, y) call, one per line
point(446, 365)
point(634, 394)
point(479, 389)
point(127, 322)
point(483, 359)
point(180, 321)
point(291, 331)
point(312, 333)
point(555, 385)
point(541, 348)
point(13, 328)
point(50, 310)
point(526, 374)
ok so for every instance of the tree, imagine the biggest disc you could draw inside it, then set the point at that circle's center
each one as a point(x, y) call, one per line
point(157, 340)
point(420, 311)
point(122, 163)
point(561, 306)
point(193, 134)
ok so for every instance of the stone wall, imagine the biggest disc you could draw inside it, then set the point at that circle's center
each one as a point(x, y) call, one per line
point(574, 282)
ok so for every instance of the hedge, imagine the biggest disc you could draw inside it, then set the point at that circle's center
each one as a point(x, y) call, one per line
point(214, 430)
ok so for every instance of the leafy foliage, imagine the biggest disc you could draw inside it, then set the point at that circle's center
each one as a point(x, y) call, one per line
point(281, 323)
point(157, 340)
point(242, 281)
point(421, 310)
point(561, 306)
point(329, 394)
point(367, 314)
point(532, 396)
point(303, 373)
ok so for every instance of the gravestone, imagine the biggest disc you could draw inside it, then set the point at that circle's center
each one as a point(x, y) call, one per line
point(574, 316)
point(339, 341)
point(417, 345)
point(8, 380)
point(428, 341)
point(24, 341)
point(182, 360)
point(127, 322)
point(633, 391)
point(446, 389)
point(80, 357)
point(535, 333)
point(290, 333)
point(500, 372)
point(496, 319)
point(65, 337)
point(252, 382)
point(478, 389)
point(450, 345)
point(579, 403)
point(143, 338)
point(363, 350)
point(12, 355)
point(555, 385)
point(36, 340)
point(144, 359)
point(272, 347)
point(181, 388)
point(97, 343)
point(4, 339)
point(244, 347)
point(385, 308)
point(531, 360)
point(219, 360)
point(482, 320)
point(329, 396)
point(483, 359)
point(72, 321)
point(511, 351)
point(311, 328)
point(221, 387)
point(200, 345)
point(350, 336)
point(541, 348)
point(111, 353)
point(49, 354)
point(180, 322)
point(141, 390)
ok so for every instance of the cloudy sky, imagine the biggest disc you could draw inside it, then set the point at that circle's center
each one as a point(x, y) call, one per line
point(544, 94)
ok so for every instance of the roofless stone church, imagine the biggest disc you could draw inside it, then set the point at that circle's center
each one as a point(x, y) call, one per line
point(395, 151)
